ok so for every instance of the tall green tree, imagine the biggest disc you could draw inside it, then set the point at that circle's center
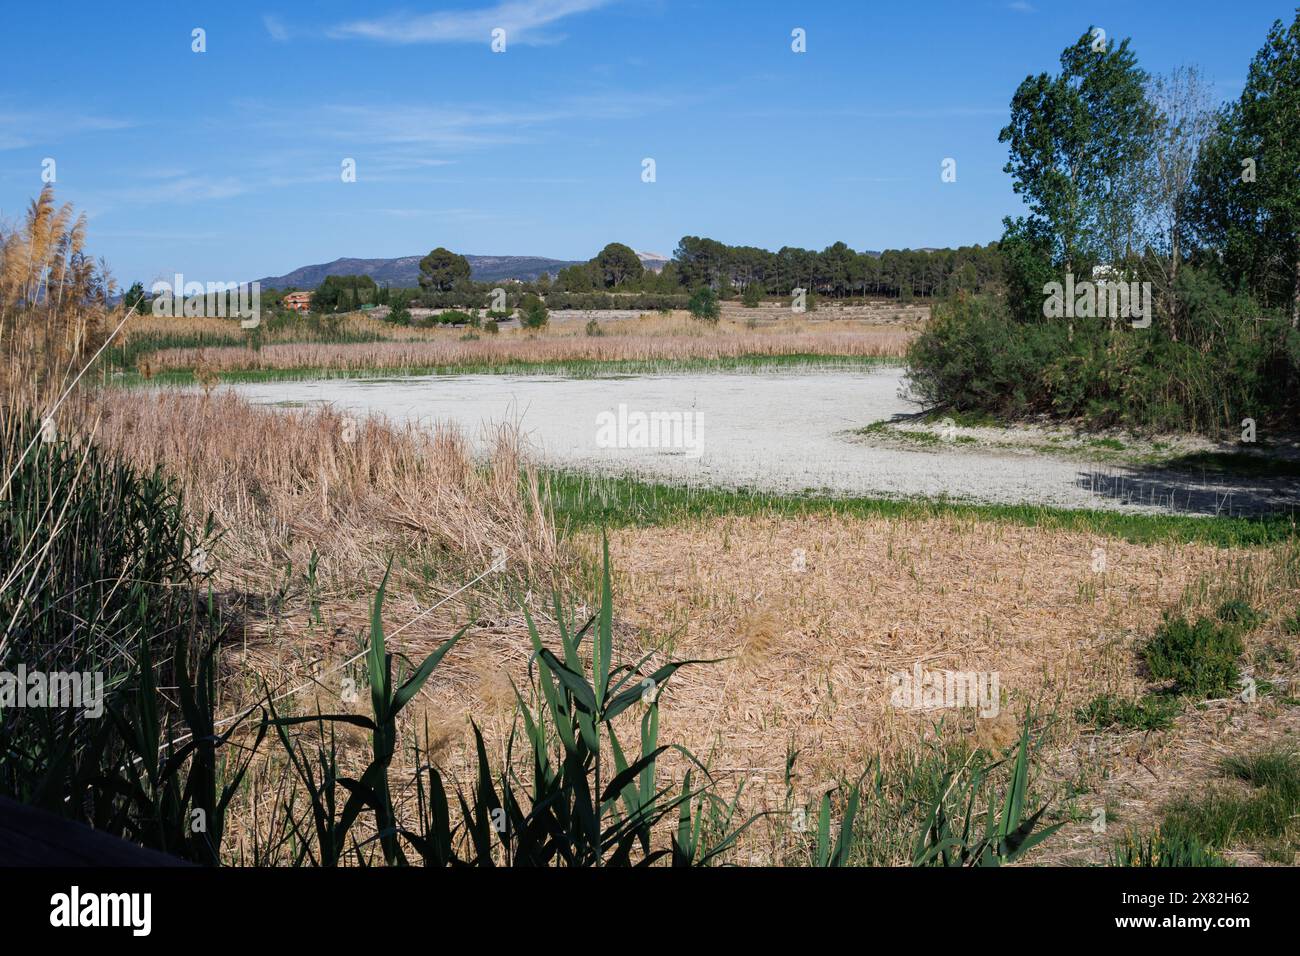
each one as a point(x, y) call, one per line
point(577, 278)
point(341, 293)
point(1079, 141)
point(441, 269)
point(699, 261)
point(134, 297)
point(1247, 192)
point(617, 264)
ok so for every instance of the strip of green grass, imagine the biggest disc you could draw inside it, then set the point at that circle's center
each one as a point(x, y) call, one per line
point(1266, 815)
point(571, 369)
point(582, 501)
point(1108, 712)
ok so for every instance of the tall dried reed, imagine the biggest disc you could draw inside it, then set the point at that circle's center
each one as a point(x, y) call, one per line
point(281, 484)
point(522, 349)
point(54, 299)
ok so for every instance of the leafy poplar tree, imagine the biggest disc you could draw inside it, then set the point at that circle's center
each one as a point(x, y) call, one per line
point(1079, 141)
point(1247, 197)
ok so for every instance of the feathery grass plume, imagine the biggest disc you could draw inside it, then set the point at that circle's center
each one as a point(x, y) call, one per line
point(996, 734)
point(759, 634)
point(54, 298)
point(206, 374)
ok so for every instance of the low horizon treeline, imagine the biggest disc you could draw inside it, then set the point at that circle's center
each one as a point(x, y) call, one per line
point(616, 279)
point(838, 271)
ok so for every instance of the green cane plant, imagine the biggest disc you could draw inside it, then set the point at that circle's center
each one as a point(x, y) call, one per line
point(1007, 835)
point(589, 802)
point(372, 791)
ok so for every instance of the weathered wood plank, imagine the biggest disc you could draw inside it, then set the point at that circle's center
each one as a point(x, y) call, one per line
point(31, 837)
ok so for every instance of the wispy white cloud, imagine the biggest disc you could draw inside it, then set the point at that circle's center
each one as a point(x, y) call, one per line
point(275, 27)
point(390, 142)
point(1022, 6)
point(181, 189)
point(906, 113)
point(157, 236)
point(31, 128)
point(523, 20)
point(413, 136)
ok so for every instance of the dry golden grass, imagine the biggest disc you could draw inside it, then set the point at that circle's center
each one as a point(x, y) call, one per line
point(807, 655)
point(811, 653)
point(147, 324)
point(770, 319)
point(280, 485)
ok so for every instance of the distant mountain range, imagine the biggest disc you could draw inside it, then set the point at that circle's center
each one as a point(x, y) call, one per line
point(404, 272)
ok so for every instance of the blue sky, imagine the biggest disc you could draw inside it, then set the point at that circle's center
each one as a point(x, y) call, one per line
point(226, 165)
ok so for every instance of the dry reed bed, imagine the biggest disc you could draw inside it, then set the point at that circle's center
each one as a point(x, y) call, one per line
point(490, 350)
point(278, 481)
point(282, 485)
point(356, 323)
point(736, 319)
point(279, 485)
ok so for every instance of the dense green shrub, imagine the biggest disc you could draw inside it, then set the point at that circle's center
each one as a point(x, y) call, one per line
point(704, 305)
point(111, 585)
point(1200, 658)
point(533, 313)
point(1223, 366)
point(1240, 613)
point(971, 357)
point(466, 296)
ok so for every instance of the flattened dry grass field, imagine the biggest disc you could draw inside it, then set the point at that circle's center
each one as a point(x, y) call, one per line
point(811, 652)
point(806, 656)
